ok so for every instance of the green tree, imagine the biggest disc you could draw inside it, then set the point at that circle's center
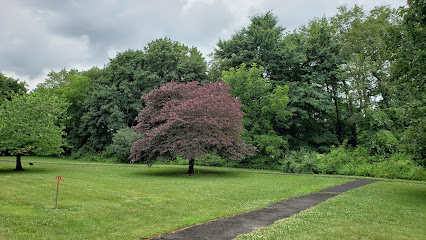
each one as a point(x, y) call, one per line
point(165, 60)
point(408, 77)
point(74, 87)
point(115, 99)
point(259, 43)
point(8, 86)
point(32, 123)
point(122, 140)
point(308, 66)
point(365, 50)
point(286, 63)
point(264, 106)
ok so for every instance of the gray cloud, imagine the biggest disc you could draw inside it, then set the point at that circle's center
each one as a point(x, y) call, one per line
point(44, 35)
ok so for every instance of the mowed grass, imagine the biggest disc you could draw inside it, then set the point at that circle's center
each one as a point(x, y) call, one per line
point(383, 210)
point(117, 201)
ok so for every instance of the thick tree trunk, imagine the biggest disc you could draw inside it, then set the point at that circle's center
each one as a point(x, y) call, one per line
point(18, 164)
point(191, 167)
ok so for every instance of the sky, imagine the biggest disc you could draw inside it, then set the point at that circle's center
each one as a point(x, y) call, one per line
point(38, 36)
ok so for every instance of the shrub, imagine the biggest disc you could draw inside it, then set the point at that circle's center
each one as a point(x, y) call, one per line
point(400, 166)
point(270, 145)
point(330, 163)
point(301, 161)
point(259, 162)
point(93, 157)
point(383, 142)
point(358, 162)
point(122, 140)
point(211, 160)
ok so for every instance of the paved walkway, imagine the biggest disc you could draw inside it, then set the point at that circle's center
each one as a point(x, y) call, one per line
point(229, 228)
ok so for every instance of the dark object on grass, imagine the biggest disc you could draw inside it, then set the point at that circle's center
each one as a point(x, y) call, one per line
point(31, 164)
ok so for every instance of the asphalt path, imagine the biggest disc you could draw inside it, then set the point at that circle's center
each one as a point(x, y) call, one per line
point(231, 227)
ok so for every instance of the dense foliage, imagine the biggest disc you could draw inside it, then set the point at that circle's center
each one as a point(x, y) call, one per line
point(114, 100)
point(264, 106)
point(32, 123)
point(122, 140)
point(189, 120)
point(9, 86)
point(355, 76)
point(349, 84)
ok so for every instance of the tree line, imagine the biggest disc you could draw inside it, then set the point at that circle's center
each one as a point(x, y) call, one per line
point(355, 79)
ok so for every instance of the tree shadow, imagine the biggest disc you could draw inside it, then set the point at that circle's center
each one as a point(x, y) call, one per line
point(182, 173)
point(28, 171)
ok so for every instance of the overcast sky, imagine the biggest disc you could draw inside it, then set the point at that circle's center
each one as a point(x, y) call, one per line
point(37, 36)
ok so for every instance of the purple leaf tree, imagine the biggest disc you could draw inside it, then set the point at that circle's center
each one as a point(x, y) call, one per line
point(189, 120)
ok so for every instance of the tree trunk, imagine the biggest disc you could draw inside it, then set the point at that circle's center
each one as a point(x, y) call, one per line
point(18, 164)
point(339, 129)
point(191, 167)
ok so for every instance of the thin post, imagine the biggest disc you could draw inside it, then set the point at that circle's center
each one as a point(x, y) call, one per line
point(57, 193)
point(58, 179)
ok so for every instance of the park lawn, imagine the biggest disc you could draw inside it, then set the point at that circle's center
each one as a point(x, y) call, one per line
point(383, 210)
point(122, 201)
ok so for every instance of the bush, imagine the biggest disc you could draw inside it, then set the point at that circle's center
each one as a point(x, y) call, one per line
point(400, 166)
point(271, 145)
point(259, 162)
point(301, 161)
point(93, 157)
point(122, 140)
point(211, 160)
point(330, 163)
point(354, 162)
point(383, 142)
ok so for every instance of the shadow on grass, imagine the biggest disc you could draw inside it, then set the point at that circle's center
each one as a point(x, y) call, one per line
point(182, 173)
point(32, 170)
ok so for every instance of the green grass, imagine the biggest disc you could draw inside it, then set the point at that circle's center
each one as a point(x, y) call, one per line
point(116, 201)
point(383, 210)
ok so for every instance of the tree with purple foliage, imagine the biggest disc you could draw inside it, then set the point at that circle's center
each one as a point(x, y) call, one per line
point(189, 120)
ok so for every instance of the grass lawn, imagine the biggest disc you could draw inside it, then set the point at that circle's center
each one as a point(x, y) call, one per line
point(383, 210)
point(117, 201)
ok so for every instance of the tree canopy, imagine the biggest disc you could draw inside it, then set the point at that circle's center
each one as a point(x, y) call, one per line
point(264, 105)
point(32, 123)
point(115, 98)
point(189, 120)
point(9, 86)
point(355, 80)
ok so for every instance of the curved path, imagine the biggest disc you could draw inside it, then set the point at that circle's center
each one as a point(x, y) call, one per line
point(231, 227)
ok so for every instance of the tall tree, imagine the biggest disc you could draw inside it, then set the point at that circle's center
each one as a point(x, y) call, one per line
point(32, 123)
point(322, 65)
point(191, 121)
point(259, 43)
point(114, 101)
point(73, 86)
point(285, 61)
point(365, 70)
point(9, 86)
point(408, 77)
point(365, 50)
point(264, 106)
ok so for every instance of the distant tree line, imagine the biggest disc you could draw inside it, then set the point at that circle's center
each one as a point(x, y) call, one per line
point(355, 79)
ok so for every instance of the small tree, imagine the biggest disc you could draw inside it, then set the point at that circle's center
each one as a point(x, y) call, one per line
point(122, 140)
point(189, 120)
point(32, 123)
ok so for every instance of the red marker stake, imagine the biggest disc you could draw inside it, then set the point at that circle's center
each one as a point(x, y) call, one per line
point(58, 179)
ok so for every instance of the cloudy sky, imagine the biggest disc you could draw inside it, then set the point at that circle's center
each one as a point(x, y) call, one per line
point(37, 36)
